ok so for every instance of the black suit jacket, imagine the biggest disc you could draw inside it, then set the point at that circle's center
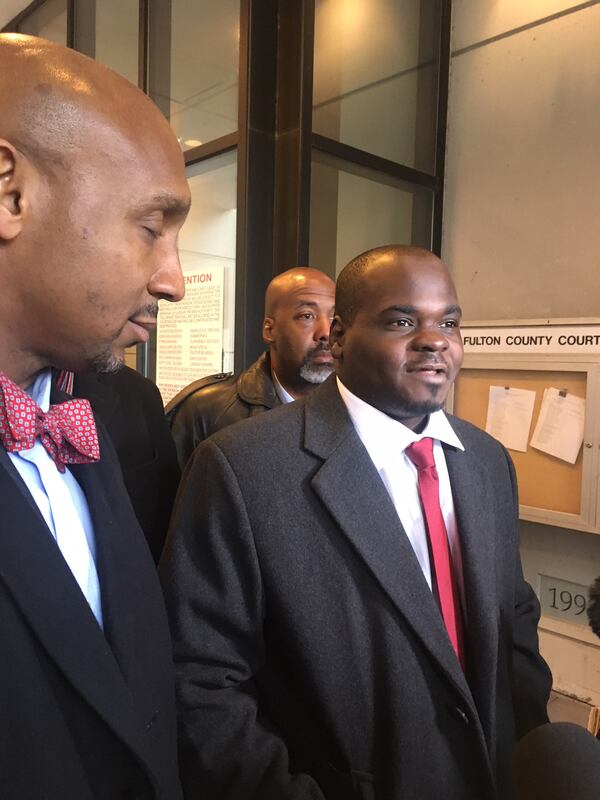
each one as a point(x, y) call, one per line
point(130, 406)
point(83, 713)
point(312, 660)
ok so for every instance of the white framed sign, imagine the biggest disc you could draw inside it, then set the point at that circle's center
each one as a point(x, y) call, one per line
point(554, 337)
point(189, 341)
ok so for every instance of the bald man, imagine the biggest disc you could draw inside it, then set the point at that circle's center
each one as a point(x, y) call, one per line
point(298, 314)
point(349, 613)
point(92, 196)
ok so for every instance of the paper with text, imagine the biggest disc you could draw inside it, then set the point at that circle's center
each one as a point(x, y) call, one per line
point(509, 416)
point(559, 429)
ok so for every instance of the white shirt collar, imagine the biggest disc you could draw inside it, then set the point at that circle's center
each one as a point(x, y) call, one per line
point(381, 434)
point(282, 393)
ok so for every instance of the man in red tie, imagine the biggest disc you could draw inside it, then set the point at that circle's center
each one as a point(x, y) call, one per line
point(346, 595)
point(92, 196)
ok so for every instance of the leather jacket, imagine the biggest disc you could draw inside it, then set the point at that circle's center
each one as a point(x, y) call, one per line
point(213, 402)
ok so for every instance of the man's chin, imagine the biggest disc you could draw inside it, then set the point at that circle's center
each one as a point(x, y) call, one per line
point(107, 363)
point(315, 373)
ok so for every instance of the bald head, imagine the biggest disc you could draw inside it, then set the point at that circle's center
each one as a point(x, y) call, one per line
point(350, 285)
point(298, 313)
point(53, 99)
point(291, 281)
point(92, 195)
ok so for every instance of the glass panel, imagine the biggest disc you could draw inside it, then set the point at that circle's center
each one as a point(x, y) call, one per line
point(376, 76)
point(131, 357)
point(48, 21)
point(197, 85)
point(195, 337)
point(352, 210)
point(117, 26)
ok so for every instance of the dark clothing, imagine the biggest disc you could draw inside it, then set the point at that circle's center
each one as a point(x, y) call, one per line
point(85, 714)
point(130, 406)
point(212, 403)
point(312, 658)
point(593, 610)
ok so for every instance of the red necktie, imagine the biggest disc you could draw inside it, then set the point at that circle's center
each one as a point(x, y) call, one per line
point(421, 454)
point(67, 430)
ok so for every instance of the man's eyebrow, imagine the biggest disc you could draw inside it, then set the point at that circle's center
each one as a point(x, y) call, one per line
point(167, 203)
point(399, 309)
point(454, 309)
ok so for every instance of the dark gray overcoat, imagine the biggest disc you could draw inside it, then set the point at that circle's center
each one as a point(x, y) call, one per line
point(311, 657)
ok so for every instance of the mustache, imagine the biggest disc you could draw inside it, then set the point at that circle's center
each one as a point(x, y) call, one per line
point(149, 311)
point(320, 347)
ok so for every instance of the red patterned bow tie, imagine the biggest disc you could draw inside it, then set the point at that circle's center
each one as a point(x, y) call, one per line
point(67, 430)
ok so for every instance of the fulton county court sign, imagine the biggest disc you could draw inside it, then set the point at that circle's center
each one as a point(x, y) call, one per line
point(555, 339)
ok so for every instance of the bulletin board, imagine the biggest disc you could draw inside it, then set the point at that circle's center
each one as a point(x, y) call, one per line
point(544, 481)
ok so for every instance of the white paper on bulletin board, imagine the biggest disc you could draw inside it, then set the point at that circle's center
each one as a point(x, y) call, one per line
point(560, 426)
point(509, 416)
point(189, 342)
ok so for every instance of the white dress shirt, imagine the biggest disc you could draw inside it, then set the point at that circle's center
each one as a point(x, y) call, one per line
point(62, 504)
point(386, 440)
point(282, 393)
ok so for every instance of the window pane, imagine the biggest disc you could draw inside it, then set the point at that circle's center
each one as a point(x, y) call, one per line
point(352, 210)
point(117, 26)
point(376, 76)
point(196, 86)
point(195, 337)
point(48, 21)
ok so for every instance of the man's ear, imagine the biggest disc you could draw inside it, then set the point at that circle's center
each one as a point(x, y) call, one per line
point(11, 205)
point(336, 336)
point(268, 330)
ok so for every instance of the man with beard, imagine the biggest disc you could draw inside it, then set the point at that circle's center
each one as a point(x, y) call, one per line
point(298, 313)
point(92, 197)
point(349, 614)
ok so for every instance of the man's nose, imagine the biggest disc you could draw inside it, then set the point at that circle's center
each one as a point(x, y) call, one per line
point(429, 339)
point(167, 282)
point(322, 325)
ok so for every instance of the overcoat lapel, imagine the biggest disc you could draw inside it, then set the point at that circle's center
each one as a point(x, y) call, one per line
point(352, 491)
point(37, 576)
point(472, 493)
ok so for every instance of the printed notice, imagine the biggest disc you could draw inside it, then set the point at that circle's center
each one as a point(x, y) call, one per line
point(559, 429)
point(190, 333)
point(509, 416)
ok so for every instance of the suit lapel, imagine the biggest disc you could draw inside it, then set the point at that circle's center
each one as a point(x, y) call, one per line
point(118, 580)
point(13, 474)
point(38, 578)
point(472, 493)
point(352, 491)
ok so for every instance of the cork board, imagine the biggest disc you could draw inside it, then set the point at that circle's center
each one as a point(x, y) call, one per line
point(544, 481)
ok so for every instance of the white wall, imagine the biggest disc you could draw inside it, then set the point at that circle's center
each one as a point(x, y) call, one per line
point(9, 10)
point(522, 204)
